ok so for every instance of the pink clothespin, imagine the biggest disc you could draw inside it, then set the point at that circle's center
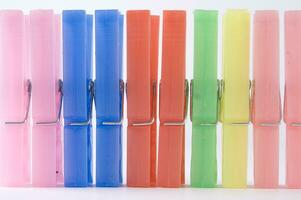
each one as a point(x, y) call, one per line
point(266, 115)
point(292, 103)
point(15, 92)
point(46, 98)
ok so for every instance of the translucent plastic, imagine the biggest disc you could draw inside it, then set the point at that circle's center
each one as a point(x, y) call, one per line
point(235, 99)
point(45, 69)
point(204, 100)
point(77, 48)
point(292, 106)
point(108, 97)
point(266, 99)
point(14, 139)
point(171, 156)
point(142, 66)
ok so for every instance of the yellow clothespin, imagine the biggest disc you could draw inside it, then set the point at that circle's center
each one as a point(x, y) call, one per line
point(235, 97)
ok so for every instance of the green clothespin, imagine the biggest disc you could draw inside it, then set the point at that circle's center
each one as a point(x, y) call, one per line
point(204, 100)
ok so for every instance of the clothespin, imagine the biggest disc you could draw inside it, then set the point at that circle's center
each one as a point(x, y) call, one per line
point(142, 56)
point(204, 101)
point(235, 97)
point(292, 98)
point(15, 93)
point(173, 98)
point(78, 97)
point(266, 102)
point(45, 44)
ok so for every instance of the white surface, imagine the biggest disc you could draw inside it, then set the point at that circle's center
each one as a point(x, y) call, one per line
point(184, 193)
point(146, 194)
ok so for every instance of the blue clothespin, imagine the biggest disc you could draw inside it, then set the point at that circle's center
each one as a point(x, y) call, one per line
point(78, 92)
point(109, 97)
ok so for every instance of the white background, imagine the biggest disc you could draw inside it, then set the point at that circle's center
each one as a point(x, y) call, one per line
point(184, 193)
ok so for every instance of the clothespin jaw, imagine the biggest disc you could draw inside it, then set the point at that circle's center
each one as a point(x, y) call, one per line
point(78, 102)
point(220, 95)
point(109, 84)
point(292, 108)
point(205, 84)
point(28, 91)
point(218, 99)
point(235, 99)
point(252, 115)
point(221, 91)
point(186, 100)
point(140, 113)
point(174, 30)
point(122, 91)
point(58, 118)
point(153, 100)
point(266, 104)
point(120, 122)
point(91, 94)
point(14, 65)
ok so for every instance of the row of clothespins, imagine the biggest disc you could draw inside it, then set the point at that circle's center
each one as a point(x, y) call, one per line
point(33, 93)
